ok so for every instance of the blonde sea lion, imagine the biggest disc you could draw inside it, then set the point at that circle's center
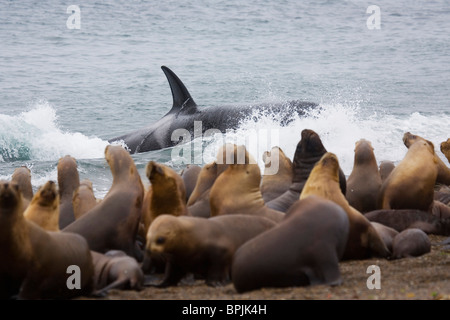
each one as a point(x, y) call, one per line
point(113, 223)
point(83, 198)
point(443, 175)
point(411, 184)
point(22, 176)
point(201, 246)
point(277, 177)
point(35, 263)
point(237, 190)
point(363, 240)
point(304, 249)
point(445, 149)
point(309, 150)
point(364, 181)
point(68, 182)
point(44, 207)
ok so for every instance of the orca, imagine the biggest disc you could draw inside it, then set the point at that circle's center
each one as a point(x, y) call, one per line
point(185, 111)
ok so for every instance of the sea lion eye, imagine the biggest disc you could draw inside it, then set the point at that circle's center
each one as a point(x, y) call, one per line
point(160, 240)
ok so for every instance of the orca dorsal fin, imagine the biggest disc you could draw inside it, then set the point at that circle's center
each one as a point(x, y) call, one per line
point(182, 100)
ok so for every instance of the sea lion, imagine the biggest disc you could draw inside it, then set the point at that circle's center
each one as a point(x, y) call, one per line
point(44, 207)
point(385, 169)
point(277, 177)
point(237, 190)
point(304, 249)
point(443, 175)
point(22, 176)
point(309, 150)
point(410, 218)
point(114, 222)
point(201, 246)
point(364, 181)
point(167, 194)
point(387, 234)
point(35, 263)
point(83, 198)
point(411, 243)
point(116, 270)
point(68, 182)
point(190, 175)
point(363, 240)
point(445, 149)
point(411, 184)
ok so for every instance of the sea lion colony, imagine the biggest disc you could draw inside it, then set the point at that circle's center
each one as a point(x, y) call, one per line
point(222, 222)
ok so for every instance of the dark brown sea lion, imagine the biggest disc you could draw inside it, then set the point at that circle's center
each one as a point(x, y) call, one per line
point(190, 175)
point(22, 177)
point(411, 243)
point(201, 246)
point(385, 169)
point(364, 181)
point(363, 240)
point(304, 249)
point(411, 184)
point(68, 182)
point(116, 270)
point(277, 177)
point(387, 234)
point(443, 175)
point(309, 150)
point(83, 199)
point(237, 190)
point(445, 149)
point(113, 224)
point(36, 264)
point(44, 207)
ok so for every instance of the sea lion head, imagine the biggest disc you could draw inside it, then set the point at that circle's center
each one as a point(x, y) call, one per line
point(120, 162)
point(165, 179)
point(363, 151)
point(68, 178)
point(329, 165)
point(409, 139)
point(10, 196)
point(274, 160)
point(47, 195)
point(205, 180)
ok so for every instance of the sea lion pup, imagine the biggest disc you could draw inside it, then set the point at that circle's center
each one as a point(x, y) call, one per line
point(68, 182)
point(114, 222)
point(445, 149)
point(277, 177)
point(304, 249)
point(309, 150)
point(201, 246)
point(410, 218)
point(363, 239)
point(35, 263)
point(190, 175)
point(116, 270)
point(237, 190)
point(83, 198)
point(411, 243)
point(364, 181)
point(167, 194)
point(44, 207)
point(411, 184)
point(385, 169)
point(22, 176)
point(443, 175)
point(387, 234)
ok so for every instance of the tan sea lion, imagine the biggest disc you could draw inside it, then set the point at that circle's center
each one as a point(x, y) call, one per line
point(83, 198)
point(36, 264)
point(237, 190)
point(201, 246)
point(363, 240)
point(309, 150)
point(68, 182)
point(167, 194)
point(411, 184)
point(445, 149)
point(44, 207)
point(411, 243)
point(22, 176)
point(443, 175)
point(113, 223)
point(190, 175)
point(304, 249)
point(385, 169)
point(364, 181)
point(277, 177)
point(116, 270)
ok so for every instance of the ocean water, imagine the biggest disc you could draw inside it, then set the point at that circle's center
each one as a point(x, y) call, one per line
point(67, 91)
